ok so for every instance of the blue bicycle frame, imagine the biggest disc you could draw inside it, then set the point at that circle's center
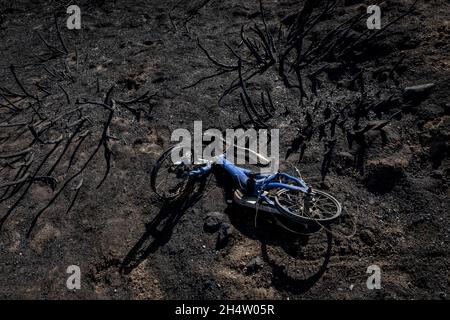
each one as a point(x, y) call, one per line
point(263, 182)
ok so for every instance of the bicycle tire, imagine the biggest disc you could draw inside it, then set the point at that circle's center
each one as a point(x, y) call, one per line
point(154, 176)
point(299, 217)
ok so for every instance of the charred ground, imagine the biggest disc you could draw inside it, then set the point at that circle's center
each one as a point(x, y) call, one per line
point(85, 114)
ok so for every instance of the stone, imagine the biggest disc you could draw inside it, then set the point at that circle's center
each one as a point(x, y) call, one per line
point(438, 128)
point(213, 221)
point(446, 107)
point(254, 265)
point(436, 137)
point(334, 70)
point(226, 232)
point(430, 112)
point(419, 91)
point(437, 174)
point(367, 237)
point(384, 174)
point(344, 158)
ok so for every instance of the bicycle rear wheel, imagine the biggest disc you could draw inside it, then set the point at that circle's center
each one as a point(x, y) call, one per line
point(168, 179)
point(314, 208)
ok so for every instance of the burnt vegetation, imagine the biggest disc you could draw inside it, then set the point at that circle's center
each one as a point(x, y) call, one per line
point(85, 114)
point(307, 60)
point(50, 134)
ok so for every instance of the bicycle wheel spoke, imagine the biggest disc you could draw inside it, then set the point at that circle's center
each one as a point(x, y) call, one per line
point(327, 206)
point(170, 177)
point(164, 180)
point(318, 206)
point(293, 204)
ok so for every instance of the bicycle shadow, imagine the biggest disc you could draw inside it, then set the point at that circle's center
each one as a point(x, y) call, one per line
point(273, 237)
point(267, 230)
point(159, 230)
point(282, 279)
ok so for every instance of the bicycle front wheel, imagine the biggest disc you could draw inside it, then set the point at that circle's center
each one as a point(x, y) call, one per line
point(314, 208)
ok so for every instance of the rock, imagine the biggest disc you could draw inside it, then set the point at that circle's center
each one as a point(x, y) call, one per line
point(346, 159)
point(159, 79)
point(382, 77)
point(334, 70)
point(446, 107)
point(430, 112)
point(148, 42)
point(419, 91)
point(407, 42)
point(213, 221)
point(439, 150)
point(254, 265)
point(226, 232)
point(383, 175)
point(367, 237)
point(439, 128)
point(419, 219)
point(437, 174)
point(390, 135)
point(436, 138)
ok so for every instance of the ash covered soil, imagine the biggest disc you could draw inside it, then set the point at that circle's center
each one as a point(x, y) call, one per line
point(129, 245)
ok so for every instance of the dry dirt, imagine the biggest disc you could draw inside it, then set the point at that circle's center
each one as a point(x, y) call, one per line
point(129, 245)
